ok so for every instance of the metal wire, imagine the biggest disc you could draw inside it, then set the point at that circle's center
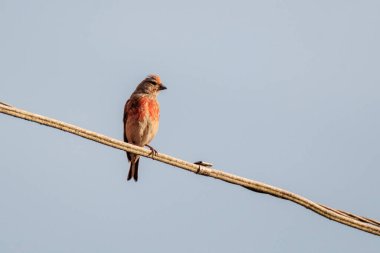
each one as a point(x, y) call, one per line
point(355, 221)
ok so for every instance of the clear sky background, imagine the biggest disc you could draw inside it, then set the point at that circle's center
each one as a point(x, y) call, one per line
point(284, 92)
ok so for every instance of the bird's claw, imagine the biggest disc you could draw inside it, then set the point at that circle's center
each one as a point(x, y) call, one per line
point(153, 152)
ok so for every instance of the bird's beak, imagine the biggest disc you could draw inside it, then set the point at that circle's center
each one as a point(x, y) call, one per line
point(162, 87)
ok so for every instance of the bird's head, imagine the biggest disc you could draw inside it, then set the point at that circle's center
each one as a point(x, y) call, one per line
point(150, 85)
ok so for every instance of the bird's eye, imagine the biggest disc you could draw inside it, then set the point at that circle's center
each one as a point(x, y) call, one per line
point(152, 82)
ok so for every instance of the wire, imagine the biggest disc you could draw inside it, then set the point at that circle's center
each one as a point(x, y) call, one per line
point(355, 221)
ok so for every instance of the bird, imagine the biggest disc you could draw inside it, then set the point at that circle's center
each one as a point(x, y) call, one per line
point(141, 118)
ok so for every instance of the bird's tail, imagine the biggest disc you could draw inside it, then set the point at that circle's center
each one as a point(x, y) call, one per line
point(133, 170)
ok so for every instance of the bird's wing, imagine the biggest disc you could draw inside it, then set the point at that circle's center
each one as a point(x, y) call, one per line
point(125, 118)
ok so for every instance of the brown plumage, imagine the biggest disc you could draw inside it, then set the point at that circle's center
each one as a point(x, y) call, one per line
point(141, 118)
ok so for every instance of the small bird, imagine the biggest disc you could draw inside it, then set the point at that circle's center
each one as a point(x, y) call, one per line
point(141, 118)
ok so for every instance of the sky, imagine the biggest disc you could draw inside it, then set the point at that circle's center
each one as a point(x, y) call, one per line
point(283, 92)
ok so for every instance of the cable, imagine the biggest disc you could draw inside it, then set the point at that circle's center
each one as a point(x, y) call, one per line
point(355, 221)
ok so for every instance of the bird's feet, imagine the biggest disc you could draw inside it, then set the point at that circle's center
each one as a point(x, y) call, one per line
point(153, 151)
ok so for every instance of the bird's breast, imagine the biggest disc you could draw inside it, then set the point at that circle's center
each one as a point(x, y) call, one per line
point(150, 107)
point(144, 108)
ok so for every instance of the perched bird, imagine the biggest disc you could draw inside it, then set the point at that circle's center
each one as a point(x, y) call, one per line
point(141, 118)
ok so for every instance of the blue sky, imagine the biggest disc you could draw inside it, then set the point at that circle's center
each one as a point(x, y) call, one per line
point(284, 92)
